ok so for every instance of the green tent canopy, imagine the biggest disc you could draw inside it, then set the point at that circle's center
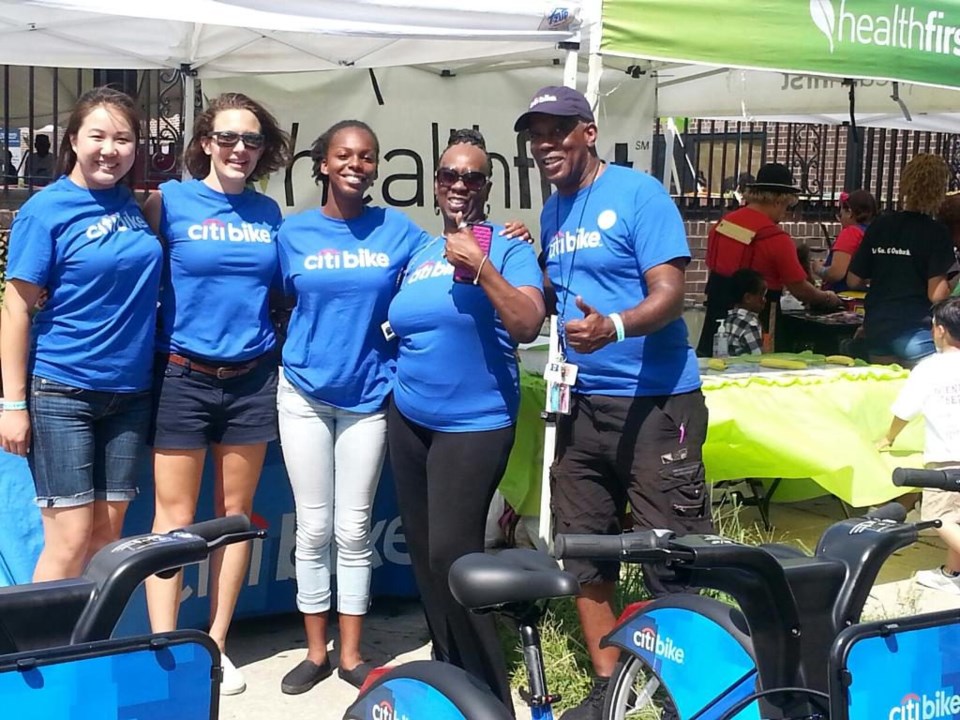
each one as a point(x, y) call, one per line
point(896, 40)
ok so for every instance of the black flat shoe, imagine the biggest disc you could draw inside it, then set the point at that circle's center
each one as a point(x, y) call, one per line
point(304, 676)
point(356, 676)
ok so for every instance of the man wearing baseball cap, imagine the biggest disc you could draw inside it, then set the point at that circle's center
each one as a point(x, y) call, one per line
point(615, 252)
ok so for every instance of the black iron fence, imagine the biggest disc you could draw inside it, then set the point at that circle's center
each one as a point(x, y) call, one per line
point(36, 104)
point(713, 159)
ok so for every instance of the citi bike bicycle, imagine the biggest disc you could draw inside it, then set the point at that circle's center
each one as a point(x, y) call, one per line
point(770, 657)
point(56, 656)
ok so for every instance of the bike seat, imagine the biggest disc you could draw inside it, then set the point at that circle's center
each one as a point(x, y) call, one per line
point(481, 581)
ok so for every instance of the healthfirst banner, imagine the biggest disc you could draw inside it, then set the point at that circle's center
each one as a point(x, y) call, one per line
point(905, 41)
point(419, 110)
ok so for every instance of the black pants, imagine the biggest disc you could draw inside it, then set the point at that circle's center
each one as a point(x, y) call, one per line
point(645, 451)
point(445, 482)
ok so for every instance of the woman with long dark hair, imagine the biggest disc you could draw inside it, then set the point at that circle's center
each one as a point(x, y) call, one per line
point(76, 376)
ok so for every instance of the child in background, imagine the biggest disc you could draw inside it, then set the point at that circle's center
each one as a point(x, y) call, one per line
point(933, 390)
point(744, 333)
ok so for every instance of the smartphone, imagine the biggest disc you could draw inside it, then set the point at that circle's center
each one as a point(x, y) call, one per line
point(484, 236)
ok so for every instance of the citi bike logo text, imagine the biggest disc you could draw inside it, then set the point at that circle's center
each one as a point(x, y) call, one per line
point(430, 269)
point(901, 26)
point(115, 222)
point(383, 710)
point(924, 707)
point(219, 230)
point(648, 639)
point(344, 259)
point(567, 242)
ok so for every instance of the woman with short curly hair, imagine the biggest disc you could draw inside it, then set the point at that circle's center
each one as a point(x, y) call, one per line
point(215, 376)
point(905, 257)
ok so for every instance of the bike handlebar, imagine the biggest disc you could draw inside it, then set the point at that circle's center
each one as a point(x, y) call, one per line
point(891, 511)
point(637, 546)
point(936, 479)
point(117, 569)
point(214, 531)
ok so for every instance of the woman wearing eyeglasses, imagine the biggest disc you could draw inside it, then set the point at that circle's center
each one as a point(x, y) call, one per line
point(453, 412)
point(215, 375)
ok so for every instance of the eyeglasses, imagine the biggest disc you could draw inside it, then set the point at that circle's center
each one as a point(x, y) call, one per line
point(229, 138)
point(473, 180)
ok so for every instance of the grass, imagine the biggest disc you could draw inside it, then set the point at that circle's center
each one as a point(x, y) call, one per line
point(565, 656)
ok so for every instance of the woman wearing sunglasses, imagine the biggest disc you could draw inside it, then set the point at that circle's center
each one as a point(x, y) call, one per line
point(454, 407)
point(342, 262)
point(215, 375)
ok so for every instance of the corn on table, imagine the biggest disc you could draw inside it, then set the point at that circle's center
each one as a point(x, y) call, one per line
point(816, 428)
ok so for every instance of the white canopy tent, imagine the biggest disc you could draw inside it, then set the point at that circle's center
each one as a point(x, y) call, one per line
point(229, 37)
point(210, 38)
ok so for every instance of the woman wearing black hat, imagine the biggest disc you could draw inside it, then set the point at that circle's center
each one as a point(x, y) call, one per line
point(750, 237)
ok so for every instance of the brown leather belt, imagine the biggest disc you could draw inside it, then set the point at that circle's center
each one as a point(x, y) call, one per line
point(223, 372)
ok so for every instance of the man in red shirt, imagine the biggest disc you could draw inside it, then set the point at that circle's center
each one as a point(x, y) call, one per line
point(750, 237)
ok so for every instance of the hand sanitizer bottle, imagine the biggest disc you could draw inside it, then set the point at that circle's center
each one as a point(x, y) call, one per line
point(721, 347)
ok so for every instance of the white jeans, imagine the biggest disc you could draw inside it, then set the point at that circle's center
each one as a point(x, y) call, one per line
point(333, 458)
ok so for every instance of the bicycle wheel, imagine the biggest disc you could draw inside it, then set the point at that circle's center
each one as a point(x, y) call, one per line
point(635, 693)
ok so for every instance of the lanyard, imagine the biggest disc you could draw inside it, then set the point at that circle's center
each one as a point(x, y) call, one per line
point(561, 320)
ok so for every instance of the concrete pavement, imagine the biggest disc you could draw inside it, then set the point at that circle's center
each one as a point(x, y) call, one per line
point(265, 649)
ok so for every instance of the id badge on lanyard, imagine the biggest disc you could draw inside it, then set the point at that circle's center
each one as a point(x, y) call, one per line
point(561, 376)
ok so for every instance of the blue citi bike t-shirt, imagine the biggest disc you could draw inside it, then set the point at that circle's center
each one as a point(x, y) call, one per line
point(343, 274)
point(220, 262)
point(456, 368)
point(100, 263)
point(598, 244)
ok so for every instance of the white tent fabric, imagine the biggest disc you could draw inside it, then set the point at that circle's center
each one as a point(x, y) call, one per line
point(229, 37)
point(750, 95)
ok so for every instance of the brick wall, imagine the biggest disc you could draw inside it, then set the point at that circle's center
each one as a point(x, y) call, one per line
point(809, 233)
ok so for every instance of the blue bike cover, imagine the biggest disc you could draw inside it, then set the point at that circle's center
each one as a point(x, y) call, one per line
point(903, 669)
point(147, 678)
point(696, 652)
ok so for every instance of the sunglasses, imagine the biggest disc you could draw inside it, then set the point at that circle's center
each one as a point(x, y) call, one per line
point(473, 180)
point(229, 138)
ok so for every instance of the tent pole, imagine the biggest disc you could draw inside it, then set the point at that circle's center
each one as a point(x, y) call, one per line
point(545, 530)
point(189, 92)
point(570, 63)
point(594, 58)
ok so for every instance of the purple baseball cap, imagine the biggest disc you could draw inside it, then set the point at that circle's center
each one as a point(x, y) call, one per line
point(556, 100)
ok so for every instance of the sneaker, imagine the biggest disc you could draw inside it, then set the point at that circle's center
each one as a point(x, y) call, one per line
point(939, 579)
point(591, 707)
point(233, 682)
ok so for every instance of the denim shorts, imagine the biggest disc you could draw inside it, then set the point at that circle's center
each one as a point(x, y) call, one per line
point(909, 346)
point(86, 444)
point(193, 410)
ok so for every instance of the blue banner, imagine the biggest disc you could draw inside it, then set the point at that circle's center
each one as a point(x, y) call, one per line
point(906, 675)
point(270, 586)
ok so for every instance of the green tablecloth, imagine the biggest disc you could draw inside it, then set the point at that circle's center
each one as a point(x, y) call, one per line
point(818, 428)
